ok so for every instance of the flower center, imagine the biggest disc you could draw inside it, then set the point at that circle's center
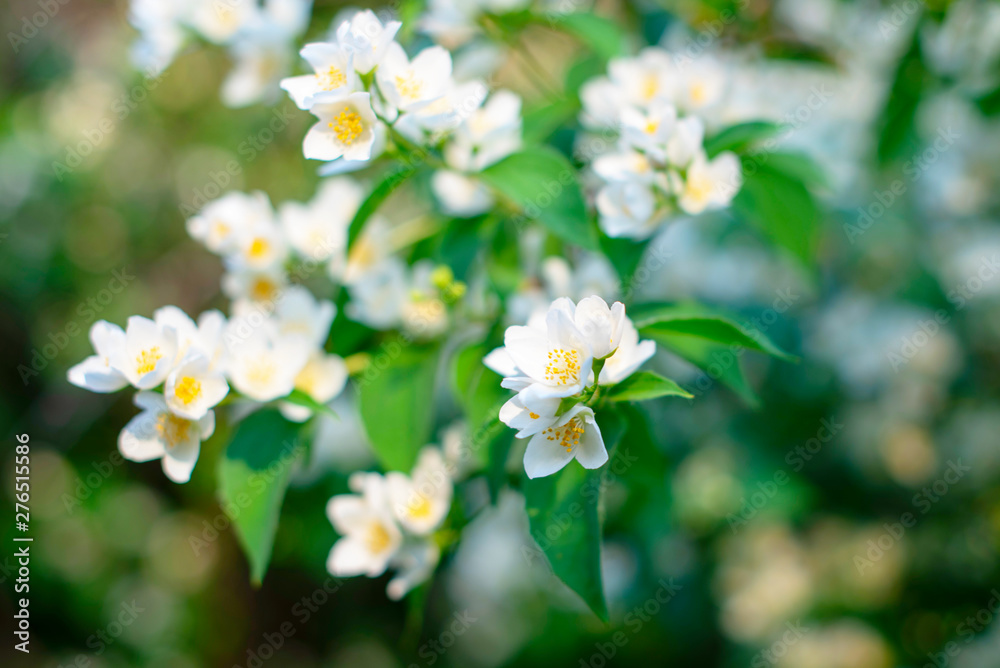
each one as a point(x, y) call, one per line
point(259, 248)
point(419, 507)
point(563, 366)
point(262, 290)
point(377, 538)
point(172, 429)
point(409, 86)
point(699, 188)
point(568, 435)
point(347, 126)
point(699, 93)
point(261, 372)
point(652, 126)
point(187, 390)
point(331, 79)
point(650, 86)
point(147, 359)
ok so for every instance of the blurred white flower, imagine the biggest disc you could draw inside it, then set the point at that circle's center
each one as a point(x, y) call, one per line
point(96, 373)
point(408, 85)
point(370, 537)
point(334, 75)
point(157, 433)
point(711, 184)
point(148, 354)
point(367, 39)
point(421, 500)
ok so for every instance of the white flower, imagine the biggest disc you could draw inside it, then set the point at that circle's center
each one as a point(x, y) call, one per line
point(370, 535)
point(261, 59)
point(156, 433)
point(298, 314)
point(318, 230)
point(700, 83)
point(322, 378)
point(379, 294)
point(645, 79)
point(367, 39)
point(529, 413)
point(259, 248)
point(408, 85)
point(575, 435)
point(261, 364)
point(220, 20)
point(629, 356)
point(557, 358)
point(415, 562)
point(600, 325)
point(649, 130)
point(460, 195)
point(711, 185)
point(193, 388)
point(487, 135)
point(334, 77)
point(421, 501)
point(628, 210)
point(346, 128)
point(252, 289)
point(625, 167)
point(96, 373)
point(686, 142)
point(148, 354)
point(219, 223)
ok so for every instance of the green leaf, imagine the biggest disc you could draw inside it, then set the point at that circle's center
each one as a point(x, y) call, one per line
point(540, 122)
point(396, 401)
point(715, 329)
point(543, 185)
point(646, 385)
point(603, 36)
point(477, 388)
point(782, 206)
point(799, 166)
point(739, 137)
point(382, 190)
point(566, 515)
point(625, 255)
point(300, 398)
point(253, 477)
point(719, 362)
point(897, 123)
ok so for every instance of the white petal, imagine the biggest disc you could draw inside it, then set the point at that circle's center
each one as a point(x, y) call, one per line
point(179, 461)
point(544, 457)
point(591, 452)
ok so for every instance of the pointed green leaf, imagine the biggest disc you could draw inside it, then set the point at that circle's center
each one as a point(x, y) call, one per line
point(542, 183)
point(396, 401)
point(645, 385)
point(566, 515)
point(603, 36)
point(379, 194)
point(739, 137)
point(696, 321)
point(782, 206)
point(253, 477)
point(300, 398)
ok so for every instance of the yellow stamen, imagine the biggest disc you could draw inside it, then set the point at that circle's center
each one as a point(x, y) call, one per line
point(650, 86)
point(259, 247)
point(420, 507)
point(377, 539)
point(147, 359)
point(347, 126)
point(331, 78)
point(409, 86)
point(263, 290)
point(187, 390)
point(563, 366)
point(172, 429)
point(568, 435)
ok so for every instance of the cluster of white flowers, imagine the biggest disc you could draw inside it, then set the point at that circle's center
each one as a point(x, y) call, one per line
point(364, 87)
point(658, 166)
point(260, 38)
point(390, 522)
point(557, 365)
point(264, 356)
